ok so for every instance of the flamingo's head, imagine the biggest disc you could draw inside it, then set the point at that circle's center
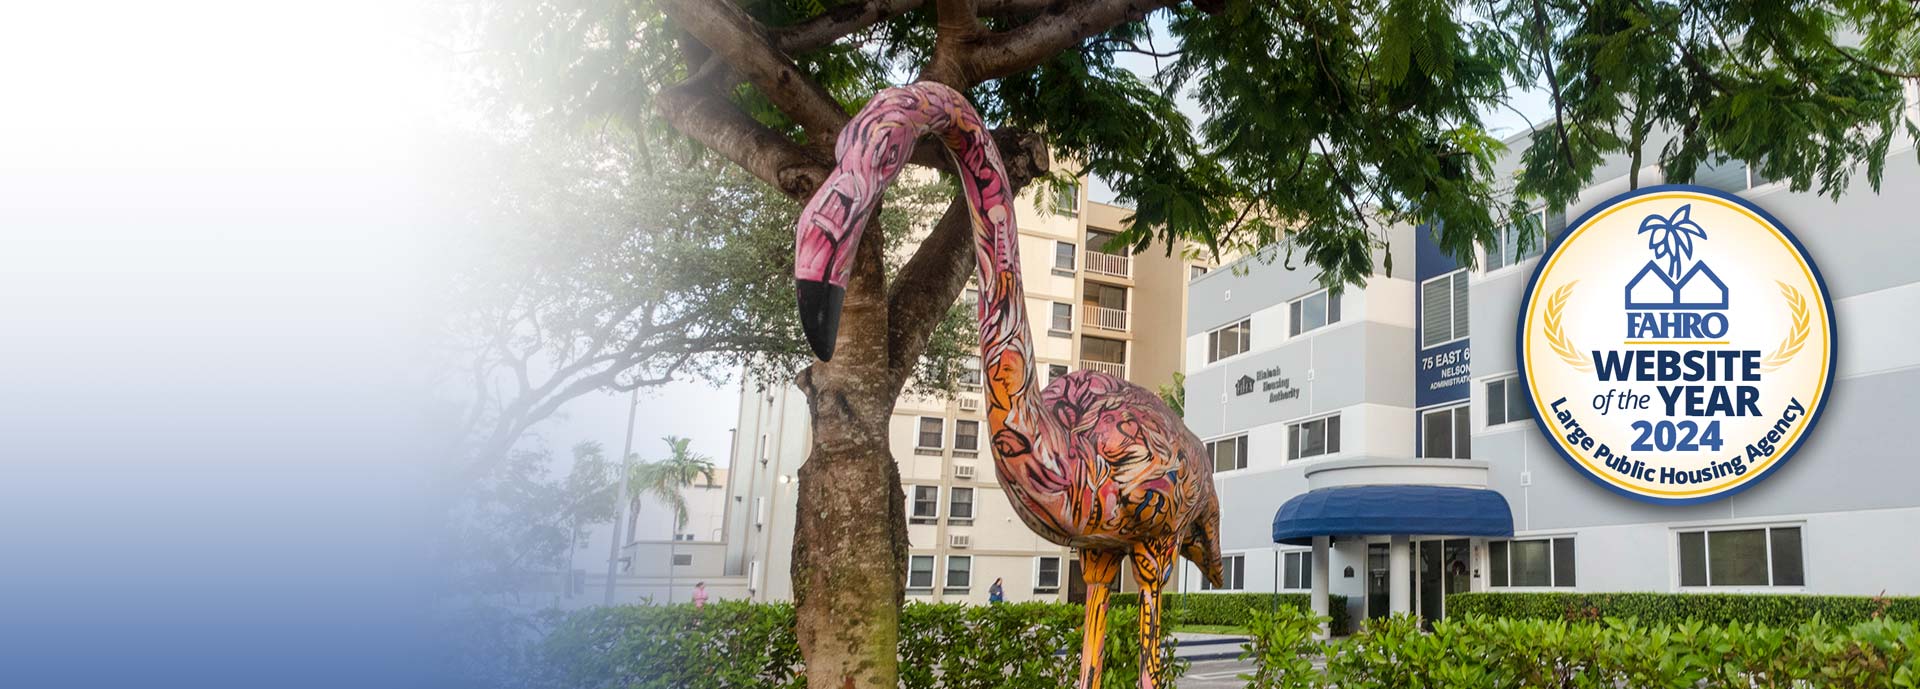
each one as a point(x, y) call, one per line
point(872, 149)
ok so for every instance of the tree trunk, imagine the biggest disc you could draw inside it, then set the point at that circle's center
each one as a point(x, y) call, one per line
point(850, 530)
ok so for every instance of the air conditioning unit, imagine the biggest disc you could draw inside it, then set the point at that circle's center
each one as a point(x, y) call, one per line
point(970, 403)
point(963, 471)
point(959, 540)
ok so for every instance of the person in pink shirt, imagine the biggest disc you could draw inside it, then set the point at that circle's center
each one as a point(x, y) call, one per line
point(700, 595)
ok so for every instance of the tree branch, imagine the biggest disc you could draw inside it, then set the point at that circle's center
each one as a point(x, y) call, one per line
point(1066, 23)
point(743, 43)
point(695, 108)
point(838, 22)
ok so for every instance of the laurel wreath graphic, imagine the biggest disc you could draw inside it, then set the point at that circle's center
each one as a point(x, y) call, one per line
point(1557, 338)
point(1796, 337)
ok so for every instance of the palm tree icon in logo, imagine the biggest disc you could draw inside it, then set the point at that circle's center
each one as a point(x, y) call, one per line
point(1671, 237)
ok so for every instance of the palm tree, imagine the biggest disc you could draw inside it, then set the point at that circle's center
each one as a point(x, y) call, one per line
point(1672, 237)
point(664, 479)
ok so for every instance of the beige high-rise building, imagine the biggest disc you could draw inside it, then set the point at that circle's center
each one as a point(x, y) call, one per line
point(1091, 308)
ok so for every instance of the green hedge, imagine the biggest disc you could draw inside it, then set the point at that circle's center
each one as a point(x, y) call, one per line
point(1712, 608)
point(1478, 651)
point(737, 644)
point(1236, 608)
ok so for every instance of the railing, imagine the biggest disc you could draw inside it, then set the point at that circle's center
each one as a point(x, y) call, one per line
point(1107, 367)
point(1104, 318)
point(1109, 264)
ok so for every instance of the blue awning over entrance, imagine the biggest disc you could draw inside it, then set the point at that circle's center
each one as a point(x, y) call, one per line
point(1392, 510)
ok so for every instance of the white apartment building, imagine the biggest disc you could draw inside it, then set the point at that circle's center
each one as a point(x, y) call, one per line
point(1386, 399)
point(1091, 307)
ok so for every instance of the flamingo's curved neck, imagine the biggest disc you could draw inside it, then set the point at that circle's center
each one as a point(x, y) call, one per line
point(871, 151)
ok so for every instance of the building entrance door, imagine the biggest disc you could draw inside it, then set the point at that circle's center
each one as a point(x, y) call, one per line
point(1377, 592)
point(1443, 570)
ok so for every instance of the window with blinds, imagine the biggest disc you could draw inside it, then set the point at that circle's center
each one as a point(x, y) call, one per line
point(1443, 309)
point(1515, 243)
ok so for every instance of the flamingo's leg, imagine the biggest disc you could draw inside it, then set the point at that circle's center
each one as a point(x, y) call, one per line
point(1152, 564)
point(1099, 569)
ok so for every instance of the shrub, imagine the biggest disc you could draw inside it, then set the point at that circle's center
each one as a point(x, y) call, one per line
point(1236, 608)
point(1478, 651)
point(1779, 610)
point(752, 645)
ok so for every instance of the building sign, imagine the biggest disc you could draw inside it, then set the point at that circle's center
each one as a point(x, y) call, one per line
point(1442, 374)
point(1678, 344)
point(1270, 382)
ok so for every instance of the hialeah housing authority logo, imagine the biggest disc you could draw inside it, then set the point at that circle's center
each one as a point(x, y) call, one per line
point(1678, 343)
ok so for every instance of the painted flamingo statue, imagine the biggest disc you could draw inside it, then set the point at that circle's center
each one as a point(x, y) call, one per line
point(1092, 462)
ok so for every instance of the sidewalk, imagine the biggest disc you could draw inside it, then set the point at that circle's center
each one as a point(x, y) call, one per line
point(1195, 646)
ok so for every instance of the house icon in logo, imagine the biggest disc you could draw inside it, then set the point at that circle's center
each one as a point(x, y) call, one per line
point(1698, 289)
point(1243, 386)
point(1671, 237)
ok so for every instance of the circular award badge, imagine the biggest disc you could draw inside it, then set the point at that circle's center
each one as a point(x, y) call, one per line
point(1678, 344)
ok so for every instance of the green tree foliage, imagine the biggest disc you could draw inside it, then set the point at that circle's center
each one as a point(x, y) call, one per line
point(1323, 121)
point(592, 267)
point(662, 480)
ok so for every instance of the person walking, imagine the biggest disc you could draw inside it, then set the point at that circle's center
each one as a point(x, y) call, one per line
point(700, 595)
point(996, 594)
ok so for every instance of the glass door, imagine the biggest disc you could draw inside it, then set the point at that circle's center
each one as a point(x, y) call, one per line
point(1443, 570)
point(1377, 602)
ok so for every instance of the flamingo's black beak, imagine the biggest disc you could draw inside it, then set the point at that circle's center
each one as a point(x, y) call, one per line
point(820, 314)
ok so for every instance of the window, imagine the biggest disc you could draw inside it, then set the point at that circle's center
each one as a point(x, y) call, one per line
point(1297, 570)
point(1066, 197)
point(961, 504)
point(1054, 371)
point(1313, 311)
point(966, 435)
point(1233, 575)
point(926, 504)
point(1194, 272)
point(920, 572)
point(1105, 351)
point(932, 428)
point(1230, 340)
point(1742, 557)
point(959, 572)
point(1534, 562)
point(1727, 174)
point(1229, 453)
point(970, 372)
point(1313, 438)
point(1062, 317)
point(1063, 255)
point(1507, 401)
point(1097, 242)
point(1443, 309)
point(1105, 296)
point(1515, 243)
point(1444, 434)
point(1046, 574)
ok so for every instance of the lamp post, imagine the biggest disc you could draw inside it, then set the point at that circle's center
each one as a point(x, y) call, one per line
point(620, 521)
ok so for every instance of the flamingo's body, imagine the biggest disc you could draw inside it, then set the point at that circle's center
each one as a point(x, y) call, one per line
point(1092, 462)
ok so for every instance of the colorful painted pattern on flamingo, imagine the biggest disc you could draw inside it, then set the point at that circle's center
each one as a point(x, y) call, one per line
point(1092, 462)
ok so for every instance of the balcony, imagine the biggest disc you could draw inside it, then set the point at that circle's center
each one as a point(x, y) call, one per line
point(1104, 318)
point(1107, 367)
point(1109, 264)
